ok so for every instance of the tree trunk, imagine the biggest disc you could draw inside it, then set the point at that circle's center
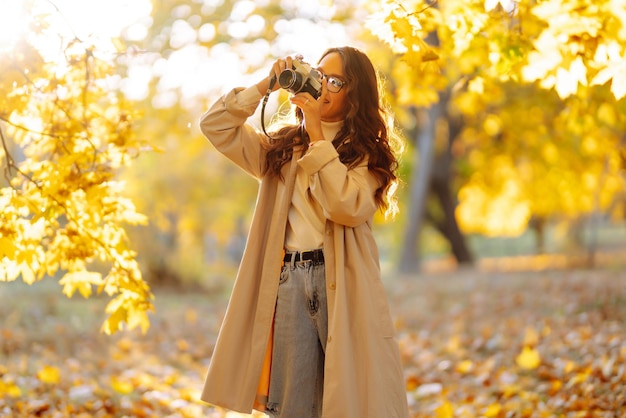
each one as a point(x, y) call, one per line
point(448, 227)
point(419, 183)
point(538, 225)
point(440, 186)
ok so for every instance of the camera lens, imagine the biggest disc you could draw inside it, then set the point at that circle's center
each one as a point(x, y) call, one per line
point(290, 80)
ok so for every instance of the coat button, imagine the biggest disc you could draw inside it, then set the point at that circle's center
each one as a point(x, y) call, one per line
point(332, 286)
point(330, 338)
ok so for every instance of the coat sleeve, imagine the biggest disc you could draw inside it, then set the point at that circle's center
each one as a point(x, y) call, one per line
point(346, 195)
point(224, 124)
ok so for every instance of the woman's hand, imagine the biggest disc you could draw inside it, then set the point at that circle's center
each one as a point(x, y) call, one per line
point(311, 109)
point(278, 67)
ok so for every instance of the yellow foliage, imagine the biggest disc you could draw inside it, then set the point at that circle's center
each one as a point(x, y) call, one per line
point(531, 83)
point(505, 214)
point(8, 270)
point(127, 308)
point(567, 80)
point(9, 389)
point(493, 410)
point(606, 114)
point(574, 40)
point(417, 72)
point(81, 281)
point(64, 210)
point(465, 366)
point(49, 374)
point(445, 410)
point(492, 125)
point(528, 359)
point(121, 386)
point(615, 71)
point(579, 378)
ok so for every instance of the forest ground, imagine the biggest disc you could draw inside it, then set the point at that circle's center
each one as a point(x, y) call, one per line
point(474, 343)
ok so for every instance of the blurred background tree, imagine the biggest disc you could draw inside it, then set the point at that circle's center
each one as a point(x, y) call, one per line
point(524, 113)
point(514, 114)
point(66, 132)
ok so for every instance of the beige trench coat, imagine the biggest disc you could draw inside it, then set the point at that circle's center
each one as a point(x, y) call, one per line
point(363, 375)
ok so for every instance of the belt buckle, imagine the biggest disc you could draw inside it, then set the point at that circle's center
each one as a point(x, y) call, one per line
point(307, 256)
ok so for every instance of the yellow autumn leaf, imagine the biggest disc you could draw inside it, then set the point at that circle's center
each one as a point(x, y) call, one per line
point(528, 359)
point(465, 366)
point(618, 85)
point(401, 27)
point(115, 321)
point(445, 410)
point(123, 387)
point(567, 80)
point(493, 410)
point(49, 374)
point(9, 270)
point(137, 317)
point(189, 394)
point(127, 309)
point(10, 389)
point(7, 246)
point(613, 67)
point(378, 24)
point(430, 55)
point(511, 390)
point(555, 386)
point(579, 378)
point(28, 275)
point(543, 61)
point(81, 281)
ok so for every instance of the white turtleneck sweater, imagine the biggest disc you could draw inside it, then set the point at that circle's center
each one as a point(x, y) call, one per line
point(306, 221)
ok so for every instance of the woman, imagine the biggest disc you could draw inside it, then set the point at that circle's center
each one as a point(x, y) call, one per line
point(308, 314)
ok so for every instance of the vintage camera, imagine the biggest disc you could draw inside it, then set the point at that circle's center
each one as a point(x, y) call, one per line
point(301, 78)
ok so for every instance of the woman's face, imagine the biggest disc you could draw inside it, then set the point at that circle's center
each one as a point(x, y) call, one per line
point(334, 106)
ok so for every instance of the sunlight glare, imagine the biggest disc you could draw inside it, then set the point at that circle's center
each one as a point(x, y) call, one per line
point(507, 5)
point(12, 23)
point(102, 18)
point(97, 20)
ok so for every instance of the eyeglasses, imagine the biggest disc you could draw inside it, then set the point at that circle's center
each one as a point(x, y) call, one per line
point(333, 84)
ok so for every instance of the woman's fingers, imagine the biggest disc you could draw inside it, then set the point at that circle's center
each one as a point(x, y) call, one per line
point(281, 65)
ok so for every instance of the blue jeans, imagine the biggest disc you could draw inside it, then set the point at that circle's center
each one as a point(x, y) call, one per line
point(300, 332)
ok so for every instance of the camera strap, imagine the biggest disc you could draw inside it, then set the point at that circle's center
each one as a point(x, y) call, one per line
point(267, 95)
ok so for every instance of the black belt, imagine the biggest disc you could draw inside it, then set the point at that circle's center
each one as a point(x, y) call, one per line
point(316, 256)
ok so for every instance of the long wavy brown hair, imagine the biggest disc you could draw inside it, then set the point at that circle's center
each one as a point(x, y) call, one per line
point(365, 135)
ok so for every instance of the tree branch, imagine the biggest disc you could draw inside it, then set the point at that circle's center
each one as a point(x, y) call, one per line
point(10, 161)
